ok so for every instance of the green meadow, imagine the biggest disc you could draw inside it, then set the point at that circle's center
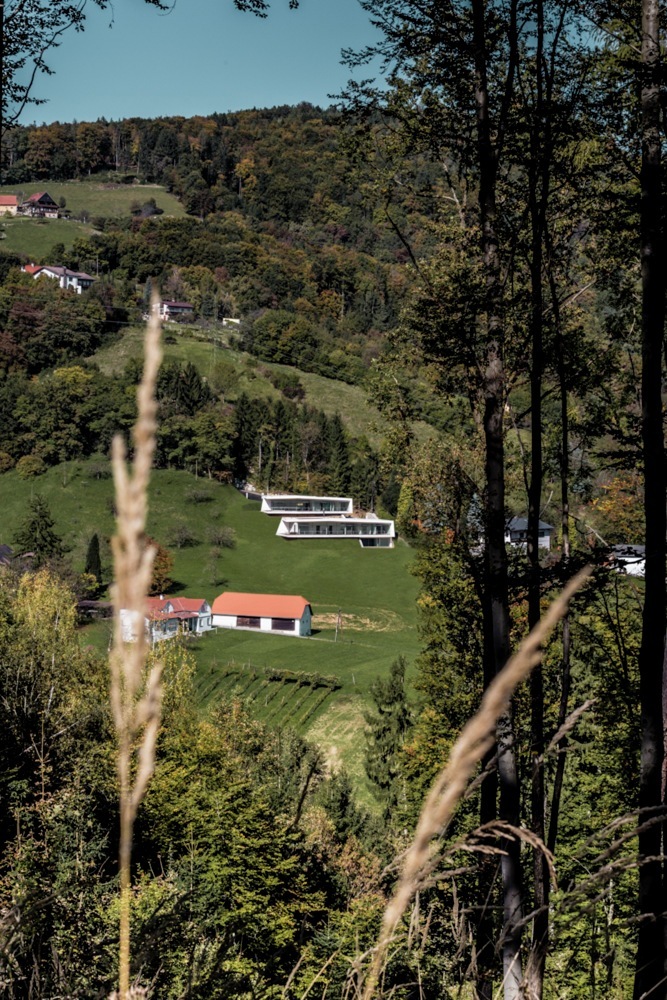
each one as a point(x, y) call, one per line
point(100, 197)
point(370, 593)
point(207, 349)
point(36, 238)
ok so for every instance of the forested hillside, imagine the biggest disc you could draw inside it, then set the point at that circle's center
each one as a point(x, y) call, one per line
point(475, 250)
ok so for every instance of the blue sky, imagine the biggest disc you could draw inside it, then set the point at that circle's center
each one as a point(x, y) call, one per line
point(204, 56)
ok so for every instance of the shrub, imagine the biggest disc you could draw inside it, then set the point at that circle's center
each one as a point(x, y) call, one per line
point(198, 496)
point(99, 468)
point(30, 466)
point(223, 538)
point(6, 461)
point(182, 537)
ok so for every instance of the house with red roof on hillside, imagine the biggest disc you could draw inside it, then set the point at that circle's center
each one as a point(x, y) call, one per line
point(166, 618)
point(284, 614)
point(39, 205)
point(9, 204)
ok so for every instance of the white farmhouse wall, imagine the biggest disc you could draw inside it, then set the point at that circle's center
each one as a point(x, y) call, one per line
point(224, 621)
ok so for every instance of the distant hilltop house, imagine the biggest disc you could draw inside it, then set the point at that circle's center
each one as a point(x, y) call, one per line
point(171, 311)
point(516, 533)
point(76, 281)
point(166, 618)
point(39, 205)
point(9, 204)
point(294, 503)
point(285, 614)
point(629, 559)
point(371, 531)
point(230, 322)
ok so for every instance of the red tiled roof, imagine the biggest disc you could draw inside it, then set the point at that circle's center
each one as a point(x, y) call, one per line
point(187, 603)
point(32, 268)
point(8, 199)
point(156, 603)
point(260, 605)
point(38, 195)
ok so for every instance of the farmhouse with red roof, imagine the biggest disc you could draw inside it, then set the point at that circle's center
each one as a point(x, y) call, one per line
point(9, 204)
point(40, 205)
point(167, 617)
point(285, 614)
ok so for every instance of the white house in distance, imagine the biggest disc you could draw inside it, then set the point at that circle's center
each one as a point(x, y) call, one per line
point(299, 504)
point(629, 559)
point(516, 533)
point(76, 281)
point(169, 310)
point(371, 531)
point(166, 618)
point(285, 614)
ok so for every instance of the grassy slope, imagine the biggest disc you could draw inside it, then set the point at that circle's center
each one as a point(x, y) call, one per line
point(327, 394)
point(36, 239)
point(374, 590)
point(100, 197)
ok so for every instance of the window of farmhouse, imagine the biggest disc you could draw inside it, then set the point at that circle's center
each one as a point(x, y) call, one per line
point(245, 622)
point(283, 624)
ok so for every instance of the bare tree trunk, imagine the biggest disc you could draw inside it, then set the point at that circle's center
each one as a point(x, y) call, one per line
point(650, 961)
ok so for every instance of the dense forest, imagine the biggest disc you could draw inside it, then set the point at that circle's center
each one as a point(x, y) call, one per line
point(479, 245)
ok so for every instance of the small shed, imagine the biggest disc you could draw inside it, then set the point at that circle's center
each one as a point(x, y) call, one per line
point(285, 614)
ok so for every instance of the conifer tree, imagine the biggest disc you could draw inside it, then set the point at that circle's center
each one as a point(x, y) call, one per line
point(37, 533)
point(387, 728)
point(93, 560)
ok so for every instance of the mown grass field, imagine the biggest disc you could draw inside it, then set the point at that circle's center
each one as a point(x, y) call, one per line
point(100, 196)
point(373, 590)
point(36, 238)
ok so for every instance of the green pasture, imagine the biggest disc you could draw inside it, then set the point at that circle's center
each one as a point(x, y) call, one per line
point(36, 237)
point(207, 349)
point(373, 591)
point(98, 196)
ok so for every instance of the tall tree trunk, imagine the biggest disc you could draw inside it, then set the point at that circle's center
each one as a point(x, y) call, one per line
point(554, 813)
point(497, 643)
point(650, 963)
point(538, 196)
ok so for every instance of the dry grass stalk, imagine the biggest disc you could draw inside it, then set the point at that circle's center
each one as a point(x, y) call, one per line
point(135, 698)
point(477, 737)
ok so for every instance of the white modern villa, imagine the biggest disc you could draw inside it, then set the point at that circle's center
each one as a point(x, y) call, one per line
point(299, 504)
point(371, 531)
